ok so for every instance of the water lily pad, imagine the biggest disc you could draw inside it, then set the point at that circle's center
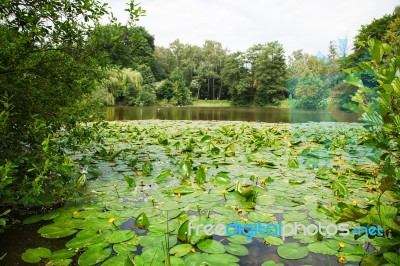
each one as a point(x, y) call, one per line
point(271, 263)
point(236, 249)
point(257, 217)
point(33, 219)
point(211, 246)
point(222, 179)
point(292, 251)
point(121, 236)
point(181, 250)
point(62, 254)
point(117, 260)
point(183, 190)
point(221, 259)
point(273, 240)
point(35, 255)
point(51, 215)
point(294, 216)
point(80, 242)
point(239, 239)
point(92, 257)
point(54, 231)
point(321, 248)
point(125, 248)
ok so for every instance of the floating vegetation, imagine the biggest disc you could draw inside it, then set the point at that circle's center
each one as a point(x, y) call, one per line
point(151, 181)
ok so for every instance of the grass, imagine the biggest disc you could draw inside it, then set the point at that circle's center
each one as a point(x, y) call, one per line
point(212, 103)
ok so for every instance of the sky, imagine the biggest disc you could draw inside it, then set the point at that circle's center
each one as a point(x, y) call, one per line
point(297, 24)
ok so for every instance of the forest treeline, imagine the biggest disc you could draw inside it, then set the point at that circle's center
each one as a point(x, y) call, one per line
point(140, 73)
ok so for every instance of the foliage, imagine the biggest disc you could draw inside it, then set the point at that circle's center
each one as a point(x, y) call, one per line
point(270, 74)
point(381, 117)
point(122, 45)
point(48, 75)
point(175, 89)
point(211, 173)
point(310, 93)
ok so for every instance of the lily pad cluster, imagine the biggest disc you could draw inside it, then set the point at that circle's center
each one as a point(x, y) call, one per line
point(148, 179)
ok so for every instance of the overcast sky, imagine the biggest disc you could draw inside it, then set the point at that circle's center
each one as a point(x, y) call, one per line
point(297, 24)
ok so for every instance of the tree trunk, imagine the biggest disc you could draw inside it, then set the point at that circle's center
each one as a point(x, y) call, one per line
point(213, 88)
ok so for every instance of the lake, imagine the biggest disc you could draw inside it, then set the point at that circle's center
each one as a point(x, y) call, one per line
point(233, 113)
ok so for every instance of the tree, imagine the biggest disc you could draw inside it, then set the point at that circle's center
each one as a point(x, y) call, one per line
point(122, 45)
point(270, 74)
point(48, 69)
point(181, 93)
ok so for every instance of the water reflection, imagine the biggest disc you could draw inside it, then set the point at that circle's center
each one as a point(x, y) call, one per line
point(254, 114)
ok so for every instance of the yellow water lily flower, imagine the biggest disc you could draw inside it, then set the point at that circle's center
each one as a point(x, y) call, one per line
point(179, 195)
point(75, 213)
point(245, 220)
point(342, 245)
point(111, 220)
point(355, 202)
point(342, 260)
point(224, 191)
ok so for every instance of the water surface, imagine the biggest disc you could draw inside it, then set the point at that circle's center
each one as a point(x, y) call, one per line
point(233, 113)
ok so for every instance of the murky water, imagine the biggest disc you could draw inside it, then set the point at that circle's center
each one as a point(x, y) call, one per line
point(253, 114)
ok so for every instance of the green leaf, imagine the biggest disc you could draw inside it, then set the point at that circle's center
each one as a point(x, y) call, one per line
point(120, 236)
point(376, 50)
point(206, 138)
point(130, 181)
point(222, 179)
point(351, 214)
point(142, 221)
point(183, 190)
point(201, 175)
point(293, 164)
point(81, 242)
point(296, 182)
point(392, 257)
point(185, 168)
point(181, 250)
point(62, 254)
point(339, 188)
point(55, 231)
point(119, 259)
point(147, 168)
point(33, 219)
point(387, 183)
point(294, 216)
point(183, 232)
point(273, 240)
point(92, 257)
point(211, 246)
point(50, 216)
point(162, 176)
point(271, 263)
point(125, 248)
point(236, 249)
point(321, 248)
point(292, 251)
point(221, 259)
point(35, 255)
